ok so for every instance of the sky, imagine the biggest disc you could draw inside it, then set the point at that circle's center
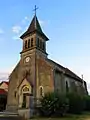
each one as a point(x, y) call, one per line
point(65, 22)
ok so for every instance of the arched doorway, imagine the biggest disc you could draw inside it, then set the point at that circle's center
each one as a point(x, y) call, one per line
point(24, 92)
point(25, 96)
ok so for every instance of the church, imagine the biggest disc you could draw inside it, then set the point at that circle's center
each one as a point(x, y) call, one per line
point(35, 74)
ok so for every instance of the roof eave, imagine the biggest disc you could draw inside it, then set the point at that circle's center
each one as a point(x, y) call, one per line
point(27, 33)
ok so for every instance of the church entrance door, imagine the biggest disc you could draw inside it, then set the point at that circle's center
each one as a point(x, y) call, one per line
point(24, 101)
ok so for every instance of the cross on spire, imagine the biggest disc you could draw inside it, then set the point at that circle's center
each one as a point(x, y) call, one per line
point(35, 9)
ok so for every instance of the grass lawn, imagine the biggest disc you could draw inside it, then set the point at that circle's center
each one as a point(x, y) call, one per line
point(85, 116)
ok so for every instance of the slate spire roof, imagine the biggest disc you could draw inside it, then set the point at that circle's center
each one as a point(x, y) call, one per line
point(34, 27)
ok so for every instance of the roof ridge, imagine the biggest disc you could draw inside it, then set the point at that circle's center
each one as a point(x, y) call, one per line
point(67, 71)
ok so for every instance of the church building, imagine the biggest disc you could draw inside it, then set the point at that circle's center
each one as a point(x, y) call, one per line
point(36, 74)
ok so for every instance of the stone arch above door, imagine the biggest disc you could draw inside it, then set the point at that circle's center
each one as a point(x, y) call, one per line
point(24, 89)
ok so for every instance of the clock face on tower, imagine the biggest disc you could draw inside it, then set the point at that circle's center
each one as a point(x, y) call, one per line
point(27, 59)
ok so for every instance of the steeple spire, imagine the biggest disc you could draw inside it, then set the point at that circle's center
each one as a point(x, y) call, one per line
point(34, 38)
point(34, 27)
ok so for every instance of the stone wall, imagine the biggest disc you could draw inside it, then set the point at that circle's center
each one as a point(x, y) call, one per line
point(12, 101)
point(74, 85)
point(44, 76)
point(59, 82)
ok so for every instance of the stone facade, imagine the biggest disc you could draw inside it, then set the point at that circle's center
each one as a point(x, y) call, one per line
point(36, 75)
point(44, 76)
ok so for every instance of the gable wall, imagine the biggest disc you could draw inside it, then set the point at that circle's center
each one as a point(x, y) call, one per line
point(13, 83)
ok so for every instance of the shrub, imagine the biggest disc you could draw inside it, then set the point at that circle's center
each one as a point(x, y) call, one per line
point(76, 103)
point(3, 101)
point(53, 104)
point(87, 102)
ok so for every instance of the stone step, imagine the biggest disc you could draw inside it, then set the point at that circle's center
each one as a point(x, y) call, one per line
point(11, 118)
point(7, 113)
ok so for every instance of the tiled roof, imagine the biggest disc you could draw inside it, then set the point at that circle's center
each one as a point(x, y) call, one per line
point(56, 63)
point(66, 71)
point(4, 82)
point(2, 91)
point(71, 74)
point(7, 83)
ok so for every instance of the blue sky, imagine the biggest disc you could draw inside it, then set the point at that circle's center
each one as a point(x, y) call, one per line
point(65, 22)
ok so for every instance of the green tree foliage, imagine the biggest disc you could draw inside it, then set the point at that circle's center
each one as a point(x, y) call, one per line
point(3, 101)
point(87, 102)
point(53, 104)
point(57, 104)
point(76, 103)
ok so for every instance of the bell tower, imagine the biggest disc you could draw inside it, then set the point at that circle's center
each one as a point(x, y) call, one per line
point(26, 71)
point(34, 47)
point(34, 39)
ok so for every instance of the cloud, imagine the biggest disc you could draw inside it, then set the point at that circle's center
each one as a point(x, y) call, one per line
point(16, 29)
point(25, 20)
point(1, 31)
point(4, 76)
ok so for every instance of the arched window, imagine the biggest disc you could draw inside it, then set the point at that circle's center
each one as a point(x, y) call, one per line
point(41, 91)
point(26, 44)
point(24, 101)
point(29, 43)
point(67, 87)
point(26, 89)
point(15, 93)
point(37, 42)
point(43, 45)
